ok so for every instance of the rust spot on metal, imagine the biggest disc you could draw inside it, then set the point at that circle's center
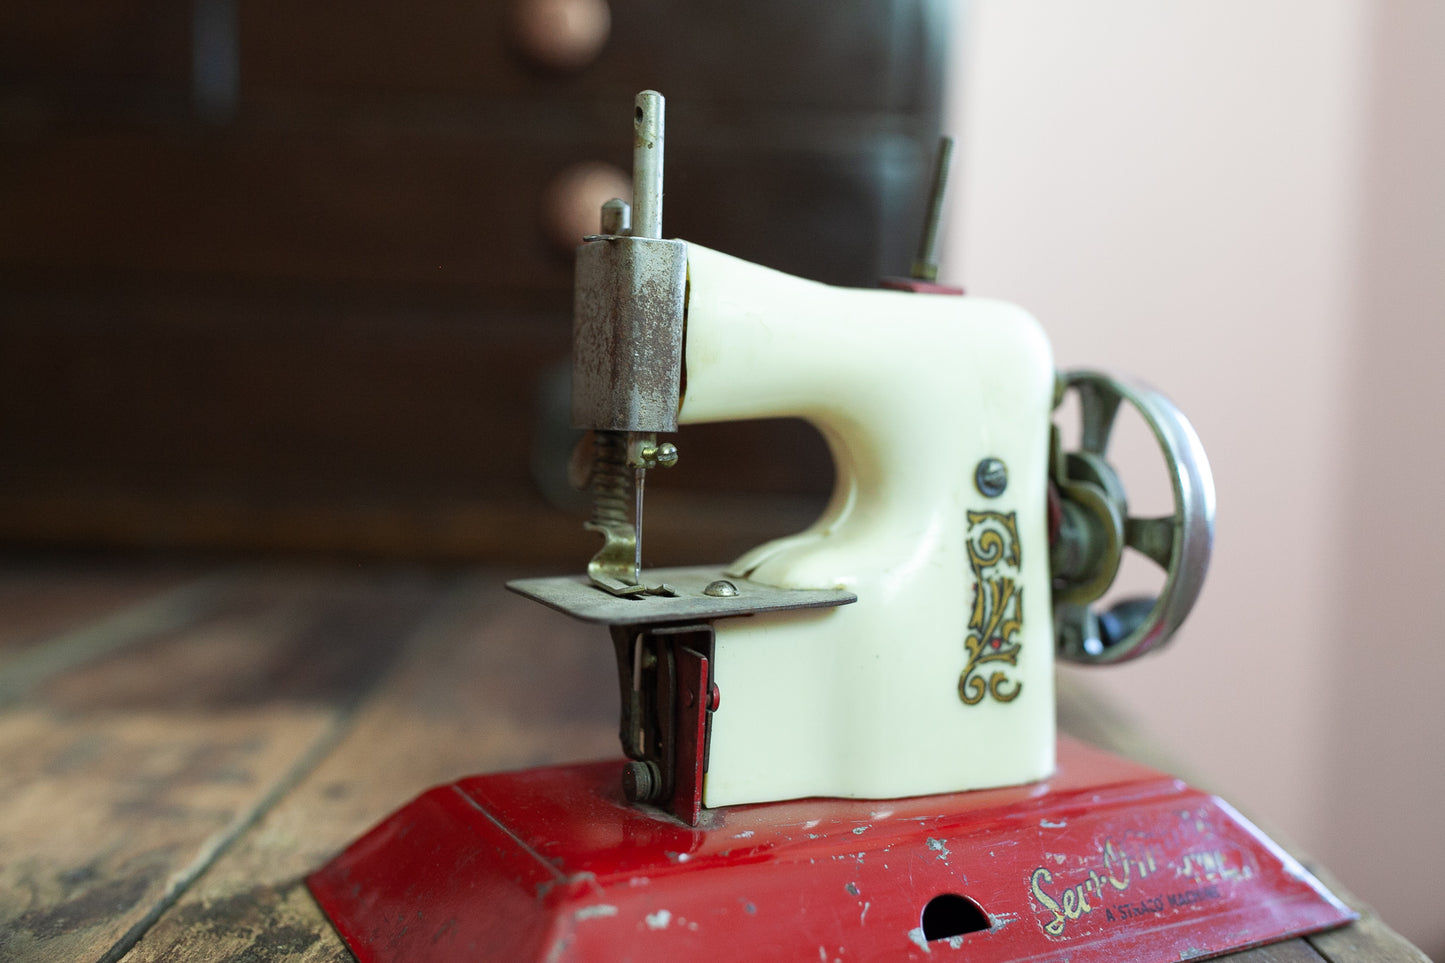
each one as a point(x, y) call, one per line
point(627, 334)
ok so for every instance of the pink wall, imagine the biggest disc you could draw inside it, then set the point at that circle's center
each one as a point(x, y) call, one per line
point(1386, 726)
point(1241, 201)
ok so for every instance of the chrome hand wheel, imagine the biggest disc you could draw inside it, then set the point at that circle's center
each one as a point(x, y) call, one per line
point(1093, 527)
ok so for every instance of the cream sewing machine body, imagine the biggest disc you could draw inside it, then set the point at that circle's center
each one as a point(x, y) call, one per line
point(912, 392)
point(967, 538)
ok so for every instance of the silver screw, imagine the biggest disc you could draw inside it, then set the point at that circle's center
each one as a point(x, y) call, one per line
point(664, 455)
point(991, 477)
point(721, 589)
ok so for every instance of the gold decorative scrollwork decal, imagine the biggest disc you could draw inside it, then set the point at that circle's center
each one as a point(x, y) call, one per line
point(998, 608)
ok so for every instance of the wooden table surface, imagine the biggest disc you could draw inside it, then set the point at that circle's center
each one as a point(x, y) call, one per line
point(180, 743)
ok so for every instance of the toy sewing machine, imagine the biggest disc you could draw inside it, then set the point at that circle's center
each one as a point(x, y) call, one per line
point(842, 745)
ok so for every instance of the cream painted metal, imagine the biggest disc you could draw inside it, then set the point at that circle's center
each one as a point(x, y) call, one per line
point(911, 391)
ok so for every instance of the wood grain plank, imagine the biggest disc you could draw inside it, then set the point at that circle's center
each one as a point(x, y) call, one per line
point(1367, 939)
point(95, 640)
point(44, 599)
point(1289, 951)
point(125, 777)
point(496, 684)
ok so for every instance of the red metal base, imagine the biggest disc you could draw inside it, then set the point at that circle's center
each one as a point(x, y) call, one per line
point(1107, 860)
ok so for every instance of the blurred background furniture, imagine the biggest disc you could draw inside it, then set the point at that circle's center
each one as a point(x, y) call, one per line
point(279, 276)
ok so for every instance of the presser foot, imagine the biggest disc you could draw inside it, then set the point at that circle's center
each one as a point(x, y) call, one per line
point(664, 649)
point(1106, 860)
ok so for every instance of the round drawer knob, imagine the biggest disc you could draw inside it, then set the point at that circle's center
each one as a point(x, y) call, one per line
point(572, 204)
point(561, 34)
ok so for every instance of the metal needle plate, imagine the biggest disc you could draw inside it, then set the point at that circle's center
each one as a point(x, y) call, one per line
point(578, 597)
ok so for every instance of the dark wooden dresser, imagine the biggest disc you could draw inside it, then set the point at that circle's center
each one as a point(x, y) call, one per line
point(298, 276)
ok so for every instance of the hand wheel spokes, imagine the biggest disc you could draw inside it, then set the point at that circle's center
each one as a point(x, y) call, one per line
point(1152, 537)
point(1099, 406)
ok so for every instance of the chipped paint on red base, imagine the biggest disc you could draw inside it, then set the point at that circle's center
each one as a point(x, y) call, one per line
point(1107, 860)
